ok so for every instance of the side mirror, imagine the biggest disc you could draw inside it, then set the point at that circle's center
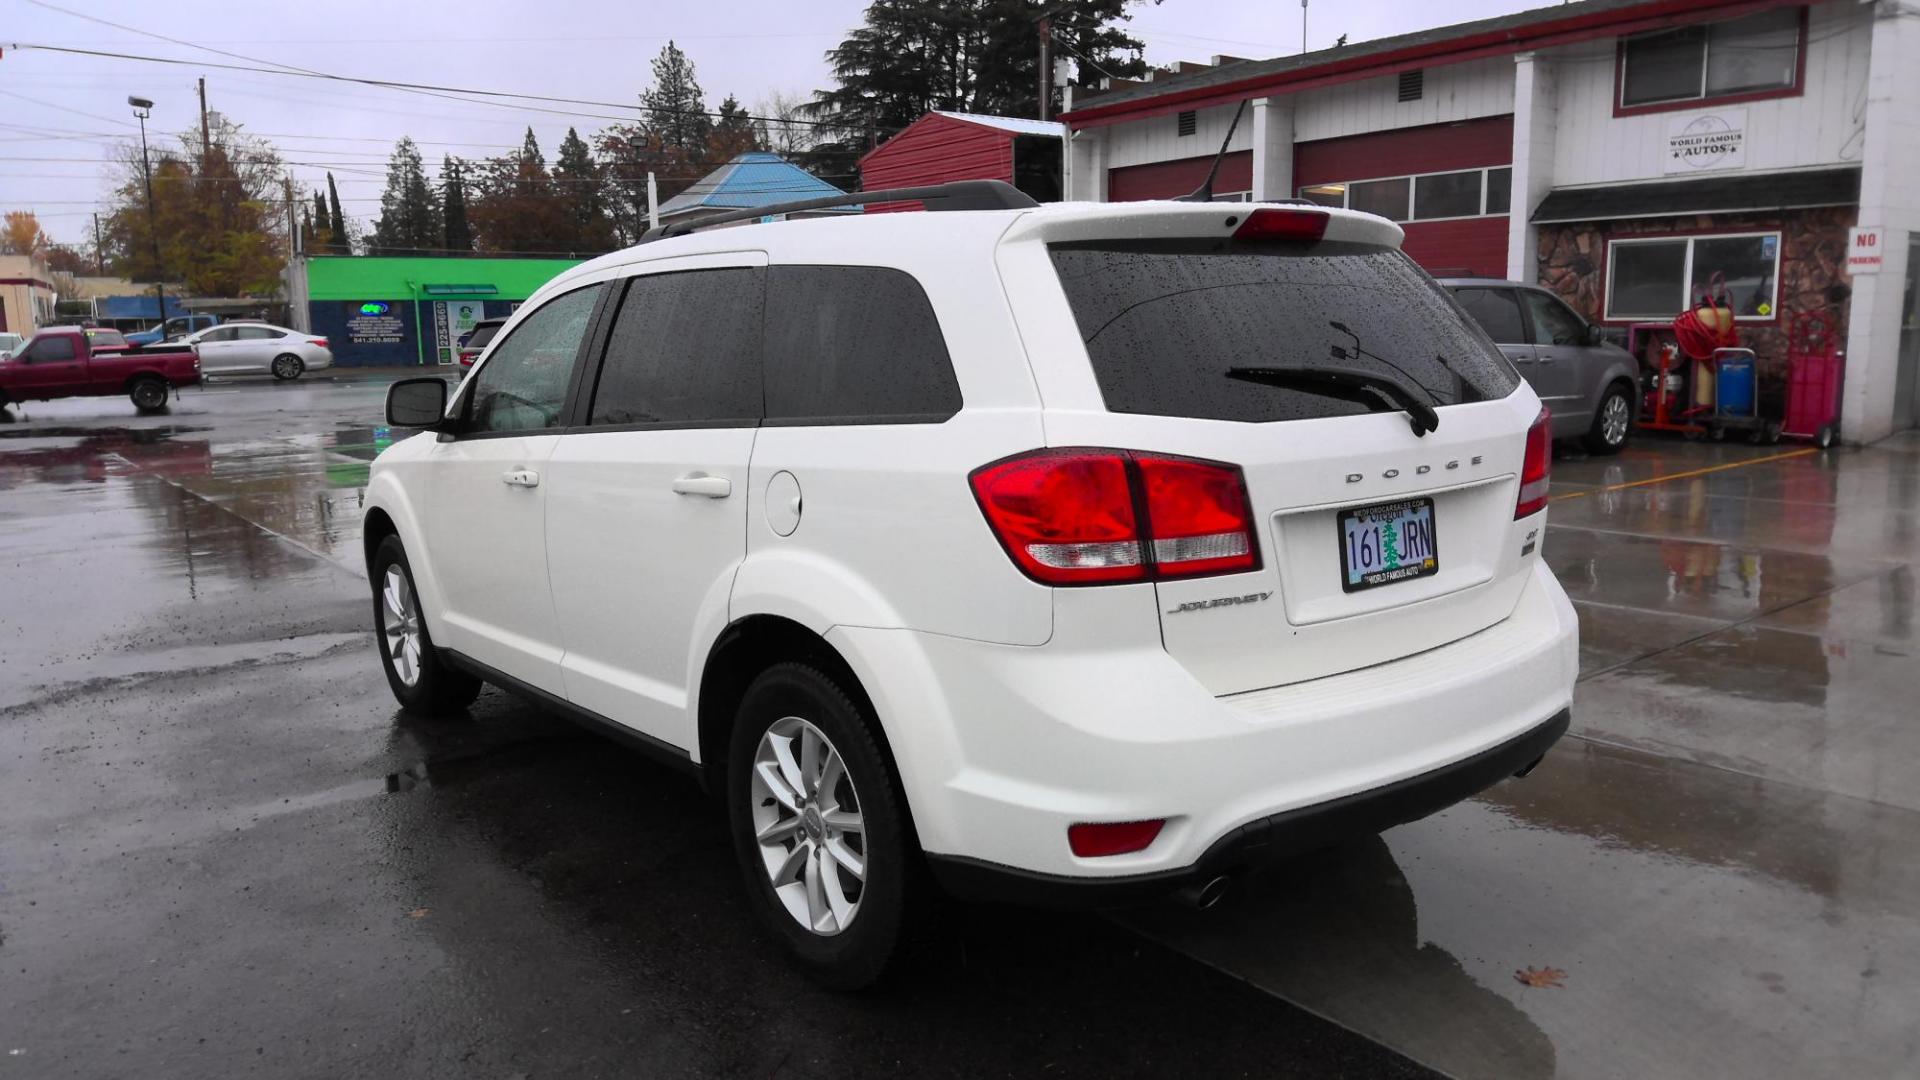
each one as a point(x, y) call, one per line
point(1596, 335)
point(417, 403)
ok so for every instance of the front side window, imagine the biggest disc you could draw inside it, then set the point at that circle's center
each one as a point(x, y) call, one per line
point(855, 344)
point(51, 350)
point(1658, 279)
point(1757, 53)
point(1165, 321)
point(685, 349)
point(224, 333)
point(1553, 323)
point(523, 385)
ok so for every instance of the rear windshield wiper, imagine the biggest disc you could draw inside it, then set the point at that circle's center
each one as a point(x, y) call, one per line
point(1347, 384)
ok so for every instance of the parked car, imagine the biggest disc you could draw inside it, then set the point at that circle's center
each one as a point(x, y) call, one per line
point(10, 344)
point(260, 349)
point(1590, 383)
point(475, 341)
point(62, 361)
point(1073, 553)
point(177, 327)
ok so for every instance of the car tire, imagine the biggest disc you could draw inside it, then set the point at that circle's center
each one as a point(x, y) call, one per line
point(841, 941)
point(421, 680)
point(1612, 422)
point(287, 367)
point(149, 395)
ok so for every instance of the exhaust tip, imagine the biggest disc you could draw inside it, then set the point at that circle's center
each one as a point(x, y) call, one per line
point(1529, 767)
point(1205, 894)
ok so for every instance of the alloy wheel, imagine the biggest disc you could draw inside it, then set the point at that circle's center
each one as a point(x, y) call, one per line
point(400, 625)
point(286, 367)
point(1615, 416)
point(807, 823)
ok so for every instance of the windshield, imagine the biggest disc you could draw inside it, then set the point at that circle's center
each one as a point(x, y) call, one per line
point(1164, 321)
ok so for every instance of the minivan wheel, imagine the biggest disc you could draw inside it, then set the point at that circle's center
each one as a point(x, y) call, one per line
point(287, 367)
point(819, 827)
point(421, 681)
point(1612, 422)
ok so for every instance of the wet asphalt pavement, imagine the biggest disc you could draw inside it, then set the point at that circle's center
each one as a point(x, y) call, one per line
point(223, 852)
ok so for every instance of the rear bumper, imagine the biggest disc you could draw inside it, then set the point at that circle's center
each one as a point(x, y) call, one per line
point(1264, 840)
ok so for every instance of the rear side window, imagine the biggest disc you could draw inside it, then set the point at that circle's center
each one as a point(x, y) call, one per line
point(1163, 321)
point(1497, 311)
point(854, 344)
point(685, 349)
point(480, 336)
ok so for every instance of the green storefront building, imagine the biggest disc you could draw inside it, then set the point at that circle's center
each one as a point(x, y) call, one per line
point(402, 312)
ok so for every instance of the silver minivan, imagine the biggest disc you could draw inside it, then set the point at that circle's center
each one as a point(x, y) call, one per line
point(1590, 384)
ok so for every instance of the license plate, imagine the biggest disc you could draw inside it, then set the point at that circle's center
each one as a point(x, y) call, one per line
point(1380, 545)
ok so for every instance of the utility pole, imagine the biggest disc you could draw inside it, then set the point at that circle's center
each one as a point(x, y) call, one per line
point(1045, 25)
point(206, 136)
point(99, 249)
point(142, 108)
point(293, 224)
point(653, 202)
point(1303, 27)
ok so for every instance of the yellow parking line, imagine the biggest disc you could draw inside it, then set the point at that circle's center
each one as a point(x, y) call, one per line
point(1688, 473)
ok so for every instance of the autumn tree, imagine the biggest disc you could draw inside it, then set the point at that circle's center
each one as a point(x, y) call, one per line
point(217, 213)
point(66, 259)
point(457, 233)
point(20, 234)
point(513, 206)
point(409, 221)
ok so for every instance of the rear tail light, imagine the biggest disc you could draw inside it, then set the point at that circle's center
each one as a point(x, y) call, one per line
point(1115, 838)
point(1535, 469)
point(1283, 225)
point(320, 341)
point(1088, 516)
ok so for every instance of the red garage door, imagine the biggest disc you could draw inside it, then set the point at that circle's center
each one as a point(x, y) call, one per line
point(1459, 244)
point(1172, 179)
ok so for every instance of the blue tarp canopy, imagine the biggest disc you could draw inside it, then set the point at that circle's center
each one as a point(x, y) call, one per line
point(135, 307)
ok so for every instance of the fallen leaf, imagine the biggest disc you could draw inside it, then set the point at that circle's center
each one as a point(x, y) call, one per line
point(418, 913)
point(1547, 978)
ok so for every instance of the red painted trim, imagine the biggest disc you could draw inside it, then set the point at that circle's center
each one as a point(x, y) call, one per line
point(1465, 144)
point(36, 282)
point(1657, 15)
point(1685, 104)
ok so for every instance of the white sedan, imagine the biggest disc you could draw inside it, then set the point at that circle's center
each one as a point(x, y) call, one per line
point(259, 349)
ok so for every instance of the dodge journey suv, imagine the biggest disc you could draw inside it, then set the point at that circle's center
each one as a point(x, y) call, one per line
point(1062, 554)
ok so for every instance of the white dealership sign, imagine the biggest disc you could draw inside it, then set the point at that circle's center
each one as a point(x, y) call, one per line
point(1701, 142)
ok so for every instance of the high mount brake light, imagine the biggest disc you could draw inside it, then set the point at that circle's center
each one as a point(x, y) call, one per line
point(1271, 224)
point(1084, 516)
point(1536, 467)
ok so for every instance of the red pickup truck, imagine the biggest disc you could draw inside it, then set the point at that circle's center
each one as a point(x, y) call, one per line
point(66, 361)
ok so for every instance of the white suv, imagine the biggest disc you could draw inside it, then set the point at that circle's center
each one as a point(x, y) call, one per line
point(1070, 553)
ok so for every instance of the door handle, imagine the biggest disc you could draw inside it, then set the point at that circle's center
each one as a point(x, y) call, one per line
point(713, 487)
point(521, 478)
point(1546, 358)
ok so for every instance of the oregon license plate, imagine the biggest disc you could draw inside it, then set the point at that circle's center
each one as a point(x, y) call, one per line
point(1380, 545)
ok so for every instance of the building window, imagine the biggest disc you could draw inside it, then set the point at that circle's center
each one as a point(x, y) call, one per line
point(1425, 197)
point(1658, 278)
point(1232, 196)
point(1757, 54)
point(1188, 122)
point(1412, 84)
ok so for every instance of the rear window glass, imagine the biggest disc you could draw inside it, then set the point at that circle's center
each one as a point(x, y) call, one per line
point(480, 335)
point(854, 344)
point(106, 338)
point(1163, 321)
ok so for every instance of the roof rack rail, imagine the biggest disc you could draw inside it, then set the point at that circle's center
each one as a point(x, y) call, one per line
point(957, 195)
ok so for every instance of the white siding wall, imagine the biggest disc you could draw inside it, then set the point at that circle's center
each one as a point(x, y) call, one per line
point(1157, 138)
point(1822, 126)
point(1456, 92)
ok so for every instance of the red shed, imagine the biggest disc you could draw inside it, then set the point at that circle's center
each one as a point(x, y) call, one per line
point(944, 146)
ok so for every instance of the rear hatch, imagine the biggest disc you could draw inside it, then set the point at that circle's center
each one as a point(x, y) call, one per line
point(1147, 327)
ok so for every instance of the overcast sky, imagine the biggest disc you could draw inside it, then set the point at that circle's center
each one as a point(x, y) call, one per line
point(60, 114)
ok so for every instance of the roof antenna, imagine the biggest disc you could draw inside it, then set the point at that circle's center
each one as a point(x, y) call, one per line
point(1204, 193)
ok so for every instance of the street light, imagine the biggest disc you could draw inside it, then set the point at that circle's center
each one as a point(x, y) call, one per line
point(142, 108)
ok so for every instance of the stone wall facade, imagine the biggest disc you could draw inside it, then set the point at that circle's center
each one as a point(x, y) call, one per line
point(1812, 269)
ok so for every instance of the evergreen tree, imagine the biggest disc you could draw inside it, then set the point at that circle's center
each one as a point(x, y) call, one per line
point(734, 133)
point(676, 109)
point(587, 224)
point(318, 236)
point(337, 242)
point(409, 212)
point(458, 235)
